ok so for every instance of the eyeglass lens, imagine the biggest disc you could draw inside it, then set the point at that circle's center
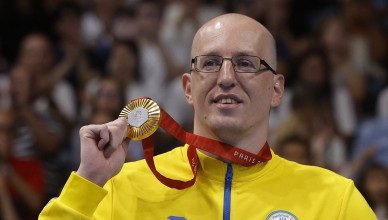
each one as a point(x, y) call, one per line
point(245, 64)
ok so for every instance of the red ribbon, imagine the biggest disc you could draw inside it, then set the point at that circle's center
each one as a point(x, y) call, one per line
point(226, 151)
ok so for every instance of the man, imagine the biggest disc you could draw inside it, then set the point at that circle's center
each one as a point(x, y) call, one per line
point(231, 99)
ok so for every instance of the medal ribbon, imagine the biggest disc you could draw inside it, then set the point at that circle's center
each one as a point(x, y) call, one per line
point(226, 151)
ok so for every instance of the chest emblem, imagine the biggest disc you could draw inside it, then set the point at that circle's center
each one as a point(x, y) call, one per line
point(281, 215)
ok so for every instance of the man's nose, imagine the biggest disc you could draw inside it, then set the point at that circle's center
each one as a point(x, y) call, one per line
point(227, 75)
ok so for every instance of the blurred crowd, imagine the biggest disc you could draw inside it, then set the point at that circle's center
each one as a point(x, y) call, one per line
point(64, 64)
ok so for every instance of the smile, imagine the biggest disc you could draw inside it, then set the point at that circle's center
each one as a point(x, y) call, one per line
point(227, 101)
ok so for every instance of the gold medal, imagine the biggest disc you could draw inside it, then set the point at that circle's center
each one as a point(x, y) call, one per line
point(143, 116)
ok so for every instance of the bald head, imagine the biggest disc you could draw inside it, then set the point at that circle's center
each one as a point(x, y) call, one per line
point(235, 27)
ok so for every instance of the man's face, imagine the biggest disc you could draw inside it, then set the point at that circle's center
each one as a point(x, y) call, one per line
point(248, 96)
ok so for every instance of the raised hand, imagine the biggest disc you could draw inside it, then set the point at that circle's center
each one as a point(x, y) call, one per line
point(103, 150)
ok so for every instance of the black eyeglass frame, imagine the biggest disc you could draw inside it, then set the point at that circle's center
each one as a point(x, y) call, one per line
point(262, 62)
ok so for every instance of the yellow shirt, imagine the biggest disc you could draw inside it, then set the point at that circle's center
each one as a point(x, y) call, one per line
point(275, 190)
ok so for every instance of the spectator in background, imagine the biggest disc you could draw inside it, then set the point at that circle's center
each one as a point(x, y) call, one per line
point(368, 50)
point(308, 112)
point(180, 21)
point(39, 131)
point(125, 27)
point(97, 24)
point(295, 149)
point(110, 98)
point(74, 63)
point(37, 56)
point(370, 143)
point(277, 19)
point(349, 84)
point(123, 65)
point(21, 179)
point(366, 34)
point(372, 134)
point(32, 111)
point(159, 75)
point(156, 67)
point(373, 184)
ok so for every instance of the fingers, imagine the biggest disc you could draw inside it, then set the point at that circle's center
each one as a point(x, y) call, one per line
point(104, 135)
point(108, 137)
point(109, 150)
point(115, 133)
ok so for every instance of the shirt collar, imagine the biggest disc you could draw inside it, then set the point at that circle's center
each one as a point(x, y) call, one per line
point(215, 169)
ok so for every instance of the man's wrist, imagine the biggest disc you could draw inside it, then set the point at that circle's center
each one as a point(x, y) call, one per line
point(81, 195)
point(97, 179)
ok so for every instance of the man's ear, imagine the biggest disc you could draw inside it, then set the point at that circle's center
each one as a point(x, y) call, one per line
point(278, 90)
point(186, 83)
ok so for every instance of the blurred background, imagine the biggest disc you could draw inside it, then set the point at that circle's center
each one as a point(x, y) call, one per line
point(64, 64)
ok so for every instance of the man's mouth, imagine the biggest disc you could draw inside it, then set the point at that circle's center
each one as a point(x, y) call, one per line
point(227, 101)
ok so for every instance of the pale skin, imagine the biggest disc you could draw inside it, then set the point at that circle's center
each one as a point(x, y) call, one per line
point(243, 124)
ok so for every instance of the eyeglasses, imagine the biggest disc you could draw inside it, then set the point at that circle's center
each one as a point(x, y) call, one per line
point(241, 64)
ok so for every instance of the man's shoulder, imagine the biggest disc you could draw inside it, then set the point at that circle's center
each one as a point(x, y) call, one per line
point(315, 175)
point(321, 183)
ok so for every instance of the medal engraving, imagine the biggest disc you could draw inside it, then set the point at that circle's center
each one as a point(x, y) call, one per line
point(143, 116)
point(138, 117)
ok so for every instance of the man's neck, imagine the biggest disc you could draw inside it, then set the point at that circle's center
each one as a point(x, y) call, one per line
point(252, 144)
point(215, 156)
